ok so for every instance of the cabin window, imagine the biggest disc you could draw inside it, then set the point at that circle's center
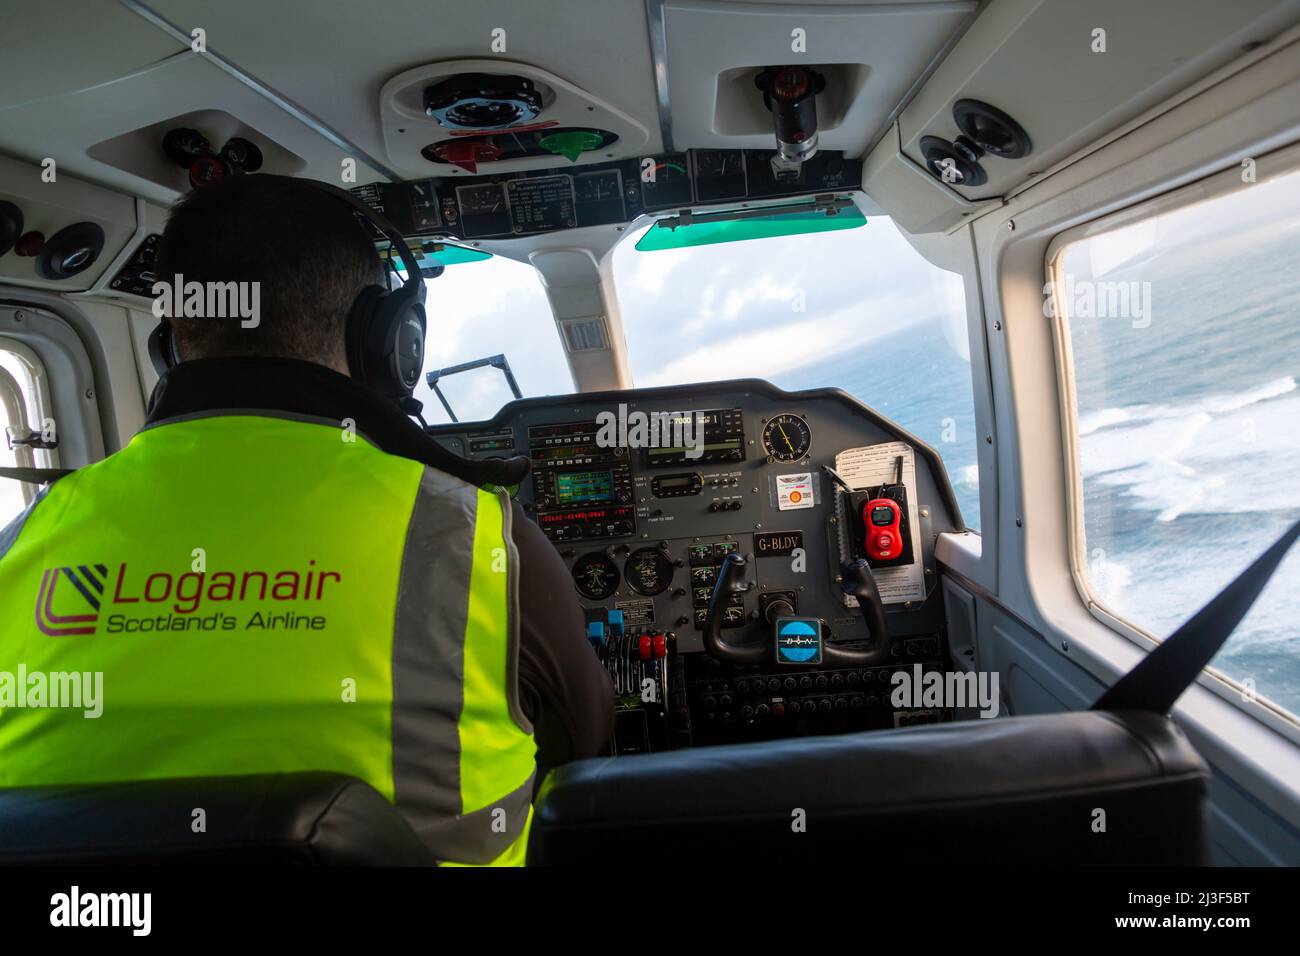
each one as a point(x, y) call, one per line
point(857, 309)
point(1179, 331)
point(482, 308)
point(18, 412)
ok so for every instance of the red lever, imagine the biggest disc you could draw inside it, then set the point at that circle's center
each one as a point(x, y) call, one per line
point(467, 153)
point(646, 646)
point(661, 645)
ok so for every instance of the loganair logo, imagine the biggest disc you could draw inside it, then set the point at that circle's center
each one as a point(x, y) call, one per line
point(81, 599)
point(84, 591)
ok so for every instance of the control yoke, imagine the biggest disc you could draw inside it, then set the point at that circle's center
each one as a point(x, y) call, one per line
point(857, 581)
point(731, 580)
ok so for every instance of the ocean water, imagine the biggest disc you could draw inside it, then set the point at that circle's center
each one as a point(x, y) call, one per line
point(925, 390)
point(1189, 439)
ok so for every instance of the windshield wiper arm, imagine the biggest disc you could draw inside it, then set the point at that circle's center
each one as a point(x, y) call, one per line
point(493, 361)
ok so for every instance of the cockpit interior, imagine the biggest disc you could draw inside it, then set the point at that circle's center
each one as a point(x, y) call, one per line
point(908, 389)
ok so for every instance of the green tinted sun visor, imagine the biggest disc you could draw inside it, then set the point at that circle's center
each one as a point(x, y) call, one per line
point(706, 229)
point(430, 255)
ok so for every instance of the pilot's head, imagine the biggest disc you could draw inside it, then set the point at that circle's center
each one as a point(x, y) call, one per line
point(306, 249)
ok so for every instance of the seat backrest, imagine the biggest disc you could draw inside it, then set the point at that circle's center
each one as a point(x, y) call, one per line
point(1091, 788)
point(311, 819)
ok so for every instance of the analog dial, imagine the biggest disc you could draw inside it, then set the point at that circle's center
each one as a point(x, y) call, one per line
point(648, 571)
point(786, 438)
point(595, 576)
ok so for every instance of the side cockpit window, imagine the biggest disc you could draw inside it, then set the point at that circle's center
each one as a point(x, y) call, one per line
point(1178, 329)
point(20, 427)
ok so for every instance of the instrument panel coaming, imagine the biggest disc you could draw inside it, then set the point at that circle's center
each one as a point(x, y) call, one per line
point(633, 524)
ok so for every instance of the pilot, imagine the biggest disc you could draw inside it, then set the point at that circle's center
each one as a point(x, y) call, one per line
point(281, 571)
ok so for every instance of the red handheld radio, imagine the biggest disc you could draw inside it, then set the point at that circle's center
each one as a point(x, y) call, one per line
point(883, 520)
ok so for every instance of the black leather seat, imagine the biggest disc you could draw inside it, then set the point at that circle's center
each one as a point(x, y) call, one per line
point(1091, 787)
point(312, 819)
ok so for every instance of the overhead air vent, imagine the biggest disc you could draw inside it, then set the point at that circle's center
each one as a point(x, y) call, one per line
point(991, 130)
point(11, 225)
point(187, 150)
point(71, 250)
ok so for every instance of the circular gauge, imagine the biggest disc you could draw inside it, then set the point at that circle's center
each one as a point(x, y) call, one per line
point(786, 438)
point(595, 576)
point(648, 571)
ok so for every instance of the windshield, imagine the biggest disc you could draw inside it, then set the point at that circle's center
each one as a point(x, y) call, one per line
point(484, 308)
point(858, 309)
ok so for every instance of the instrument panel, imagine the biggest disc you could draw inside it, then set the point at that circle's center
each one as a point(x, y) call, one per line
point(509, 205)
point(644, 494)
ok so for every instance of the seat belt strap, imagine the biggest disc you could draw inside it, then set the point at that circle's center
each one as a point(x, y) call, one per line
point(1162, 676)
point(37, 476)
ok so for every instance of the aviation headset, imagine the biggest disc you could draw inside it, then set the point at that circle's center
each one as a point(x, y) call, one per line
point(385, 327)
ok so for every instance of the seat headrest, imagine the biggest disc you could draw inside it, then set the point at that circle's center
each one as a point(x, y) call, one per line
point(309, 818)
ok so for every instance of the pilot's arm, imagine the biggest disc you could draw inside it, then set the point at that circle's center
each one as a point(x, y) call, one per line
point(562, 687)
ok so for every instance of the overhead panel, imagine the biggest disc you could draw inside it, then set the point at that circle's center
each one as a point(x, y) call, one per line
point(871, 54)
point(1070, 73)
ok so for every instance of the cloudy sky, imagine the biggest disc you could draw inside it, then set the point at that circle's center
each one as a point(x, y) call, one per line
point(753, 308)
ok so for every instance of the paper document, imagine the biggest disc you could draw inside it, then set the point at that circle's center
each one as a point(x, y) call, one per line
point(874, 465)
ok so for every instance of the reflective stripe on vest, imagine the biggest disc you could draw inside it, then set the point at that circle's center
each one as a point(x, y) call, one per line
point(263, 594)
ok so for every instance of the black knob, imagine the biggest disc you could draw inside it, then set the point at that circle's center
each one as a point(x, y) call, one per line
point(777, 608)
point(11, 226)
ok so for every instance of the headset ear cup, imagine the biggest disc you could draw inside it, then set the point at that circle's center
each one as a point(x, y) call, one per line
point(385, 339)
point(162, 350)
point(409, 353)
point(361, 319)
point(394, 346)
